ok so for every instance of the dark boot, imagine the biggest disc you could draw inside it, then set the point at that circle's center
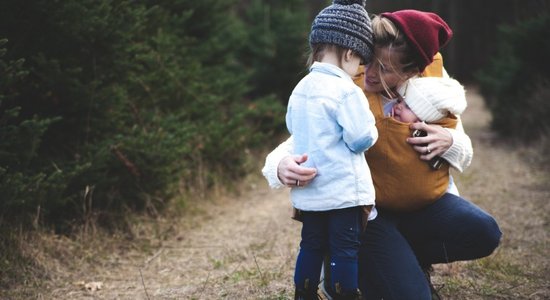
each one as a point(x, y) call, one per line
point(300, 294)
point(348, 296)
point(306, 293)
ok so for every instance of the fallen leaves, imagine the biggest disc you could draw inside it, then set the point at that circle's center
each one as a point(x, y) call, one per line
point(91, 286)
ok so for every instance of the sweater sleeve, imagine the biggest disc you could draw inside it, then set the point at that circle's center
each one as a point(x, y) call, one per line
point(460, 154)
point(272, 161)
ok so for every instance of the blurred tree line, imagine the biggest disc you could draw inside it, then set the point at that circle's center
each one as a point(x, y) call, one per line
point(109, 106)
point(475, 26)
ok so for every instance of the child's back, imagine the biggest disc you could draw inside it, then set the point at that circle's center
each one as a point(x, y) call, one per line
point(329, 117)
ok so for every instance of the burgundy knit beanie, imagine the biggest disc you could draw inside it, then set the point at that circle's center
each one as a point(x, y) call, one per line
point(426, 32)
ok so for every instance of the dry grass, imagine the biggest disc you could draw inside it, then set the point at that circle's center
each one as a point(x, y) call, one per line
point(227, 247)
point(516, 194)
point(244, 247)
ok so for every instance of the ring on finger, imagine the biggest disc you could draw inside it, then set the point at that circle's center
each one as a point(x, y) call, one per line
point(428, 149)
point(297, 182)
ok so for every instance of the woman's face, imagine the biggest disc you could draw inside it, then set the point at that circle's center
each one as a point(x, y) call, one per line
point(385, 67)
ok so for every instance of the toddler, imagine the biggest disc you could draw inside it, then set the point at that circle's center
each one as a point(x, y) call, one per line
point(329, 117)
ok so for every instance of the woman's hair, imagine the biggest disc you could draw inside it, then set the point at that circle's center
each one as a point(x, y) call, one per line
point(318, 51)
point(387, 35)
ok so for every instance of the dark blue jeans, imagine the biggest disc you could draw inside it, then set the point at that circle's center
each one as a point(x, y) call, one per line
point(395, 247)
point(336, 232)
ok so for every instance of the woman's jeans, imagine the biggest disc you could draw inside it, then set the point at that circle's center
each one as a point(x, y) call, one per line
point(337, 232)
point(396, 247)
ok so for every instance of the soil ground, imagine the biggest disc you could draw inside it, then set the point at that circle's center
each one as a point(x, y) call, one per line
point(244, 247)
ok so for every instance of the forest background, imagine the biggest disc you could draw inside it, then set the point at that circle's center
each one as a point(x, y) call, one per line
point(112, 109)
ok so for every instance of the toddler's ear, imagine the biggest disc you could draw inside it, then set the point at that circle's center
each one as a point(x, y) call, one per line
point(349, 55)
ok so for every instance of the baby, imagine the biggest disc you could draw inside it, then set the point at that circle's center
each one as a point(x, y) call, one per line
point(403, 179)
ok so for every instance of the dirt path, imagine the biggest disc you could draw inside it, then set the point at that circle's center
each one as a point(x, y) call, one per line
point(231, 249)
point(245, 248)
point(516, 194)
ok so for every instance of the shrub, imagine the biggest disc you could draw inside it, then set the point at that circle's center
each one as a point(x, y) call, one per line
point(27, 182)
point(108, 106)
point(515, 85)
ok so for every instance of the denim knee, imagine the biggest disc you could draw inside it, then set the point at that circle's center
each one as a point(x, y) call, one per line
point(489, 236)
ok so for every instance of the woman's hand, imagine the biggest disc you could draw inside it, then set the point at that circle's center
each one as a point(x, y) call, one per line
point(290, 172)
point(437, 142)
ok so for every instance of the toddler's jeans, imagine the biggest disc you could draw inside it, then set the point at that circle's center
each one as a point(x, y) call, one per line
point(336, 231)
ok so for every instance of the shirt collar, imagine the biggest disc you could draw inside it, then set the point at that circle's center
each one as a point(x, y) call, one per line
point(329, 69)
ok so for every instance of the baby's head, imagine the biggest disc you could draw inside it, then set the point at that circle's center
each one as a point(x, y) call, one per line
point(345, 24)
point(430, 99)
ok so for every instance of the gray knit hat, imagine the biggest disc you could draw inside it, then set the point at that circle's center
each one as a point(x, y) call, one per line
point(345, 23)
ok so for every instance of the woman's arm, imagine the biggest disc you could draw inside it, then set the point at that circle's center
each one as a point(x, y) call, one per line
point(454, 145)
point(283, 169)
point(461, 152)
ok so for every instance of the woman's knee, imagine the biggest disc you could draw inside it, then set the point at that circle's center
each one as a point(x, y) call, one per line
point(489, 236)
point(481, 227)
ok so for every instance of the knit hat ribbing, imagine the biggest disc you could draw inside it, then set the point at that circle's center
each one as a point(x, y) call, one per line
point(425, 31)
point(432, 98)
point(345, 23)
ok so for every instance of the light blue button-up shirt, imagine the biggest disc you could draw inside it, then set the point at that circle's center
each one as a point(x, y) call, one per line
point(330, 120)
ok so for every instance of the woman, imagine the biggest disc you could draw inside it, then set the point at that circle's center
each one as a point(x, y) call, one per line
point(398, 247)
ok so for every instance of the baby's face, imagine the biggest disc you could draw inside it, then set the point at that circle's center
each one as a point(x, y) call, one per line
point(401, 112)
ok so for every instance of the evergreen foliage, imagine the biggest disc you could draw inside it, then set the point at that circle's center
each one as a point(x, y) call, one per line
point(516, 85)
point(22, 186)
point(107, 106)
point(278, 44)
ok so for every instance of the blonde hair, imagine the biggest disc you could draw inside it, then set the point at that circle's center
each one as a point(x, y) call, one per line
point(387, 35)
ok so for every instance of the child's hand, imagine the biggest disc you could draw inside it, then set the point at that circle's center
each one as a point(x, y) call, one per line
point(292, 174)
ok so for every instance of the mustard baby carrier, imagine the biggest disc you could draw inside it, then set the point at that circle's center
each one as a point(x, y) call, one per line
point(402, 181)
